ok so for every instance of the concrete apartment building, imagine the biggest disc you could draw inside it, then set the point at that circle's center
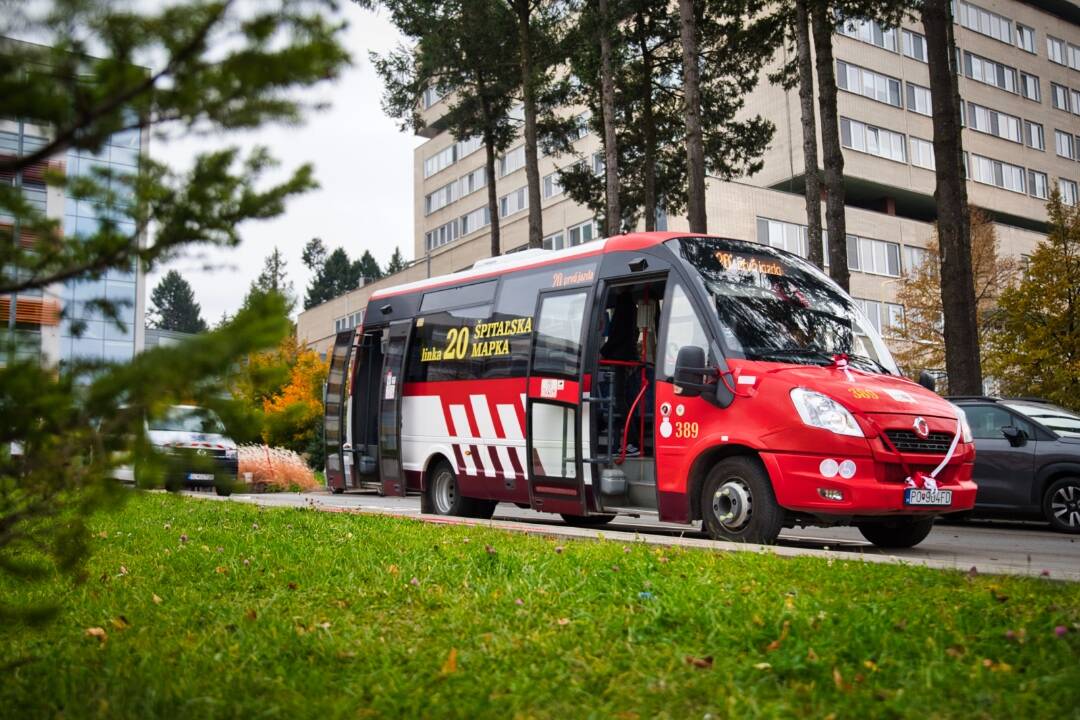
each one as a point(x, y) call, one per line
point(45, 318)
point(1020, 82)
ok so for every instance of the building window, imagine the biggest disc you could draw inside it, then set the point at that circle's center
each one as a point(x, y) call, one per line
point(985, 22)
point(873, 140)
point(914, 257)
point(992, 122)
point(887, 318)
point(513, 202)
point(1038, 185)
point(555, 241)
point(868, 31)
point(987, 71)
point(582, 233)
point(922, 153)
point(473, 221)
point(1025, 38)
point(1055, 50)
point(784, 235)
point(581, 128)
point(1067, 188)
point(1034, 136)
point(1064, 144)
point(440, 198)
point(473, 181)
point(914, 45)
point(441, 235)
point(867, 83)
point(552, 185)
point(1074, 56)
point(1059, 96)
point(431, 96)
point(512, 160)
point(348, 322)
point(918, 99)
point(440, 161)
point(469, 146)
point(1030, 87)
point(999, 174)
point(876, 257)
point(1075, 95)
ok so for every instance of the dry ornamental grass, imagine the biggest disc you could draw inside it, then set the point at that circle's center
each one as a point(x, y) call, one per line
point(274, 470)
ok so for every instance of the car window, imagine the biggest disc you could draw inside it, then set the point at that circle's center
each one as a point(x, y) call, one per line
point(986, 421)
point(1056, 418)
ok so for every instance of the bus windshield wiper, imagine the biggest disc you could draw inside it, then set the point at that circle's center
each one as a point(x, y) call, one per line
point(811, 353)
point(871, 361)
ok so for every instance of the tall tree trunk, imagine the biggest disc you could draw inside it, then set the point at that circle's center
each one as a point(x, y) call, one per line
point(695, 143)
point(821, 20)
point(950, 193)
point(492, 195)
point(811, 171)
point(648, 123)
point(613, 219)
point(528, 94)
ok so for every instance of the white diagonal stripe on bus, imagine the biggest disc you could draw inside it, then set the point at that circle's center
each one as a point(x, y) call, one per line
point(512, 429)
point(462, 432)
point(487, 431)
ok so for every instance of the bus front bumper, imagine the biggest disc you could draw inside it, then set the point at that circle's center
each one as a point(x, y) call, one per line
point(875, 488)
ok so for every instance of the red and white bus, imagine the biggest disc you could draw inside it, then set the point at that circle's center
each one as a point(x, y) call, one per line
point(682, 376)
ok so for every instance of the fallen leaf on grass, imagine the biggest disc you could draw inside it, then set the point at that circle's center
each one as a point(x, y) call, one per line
point(221, 570)
point(120, 622)
point(123, 570)
point(699, 662)
point(811, 655)
point(838, 680)
point(450, 666)
point(103, 534)
point(292, 586)
point(775, 644)
point(98, 633)
point(250, 614)
point(762, 666)
point(563, 621)
point(392, 569)
point(156, 599)
point(489, 550)
point(955, 651)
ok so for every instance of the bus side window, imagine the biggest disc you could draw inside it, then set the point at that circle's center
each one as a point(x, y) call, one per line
point(558, 334)
point(683, 328)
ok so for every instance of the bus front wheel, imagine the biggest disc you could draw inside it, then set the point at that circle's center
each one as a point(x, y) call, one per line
point(738, 503)
point(444, 497)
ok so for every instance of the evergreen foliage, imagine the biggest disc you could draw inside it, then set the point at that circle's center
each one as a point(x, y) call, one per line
point(173, 305)
point(397, 262)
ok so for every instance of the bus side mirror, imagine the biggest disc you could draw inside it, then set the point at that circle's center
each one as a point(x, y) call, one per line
point(690, 371)
point(927, 381)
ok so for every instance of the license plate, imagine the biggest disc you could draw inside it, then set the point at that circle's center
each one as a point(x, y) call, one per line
point(200, 476)
point(915, 496)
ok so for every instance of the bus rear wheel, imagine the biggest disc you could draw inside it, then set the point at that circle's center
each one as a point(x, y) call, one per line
point(738, 503)
point(897, 533)
point(444, 497)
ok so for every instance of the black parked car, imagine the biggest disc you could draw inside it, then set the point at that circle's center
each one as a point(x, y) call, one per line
point(1027, 459)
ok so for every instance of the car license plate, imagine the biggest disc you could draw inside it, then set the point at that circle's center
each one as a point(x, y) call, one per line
point(200, 476)
point(915, 496)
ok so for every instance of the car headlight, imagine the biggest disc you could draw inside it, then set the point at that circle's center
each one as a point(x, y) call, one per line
point(821, 411)
point(230, 453)
point(965, 429)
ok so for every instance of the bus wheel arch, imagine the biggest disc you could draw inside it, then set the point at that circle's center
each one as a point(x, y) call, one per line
point(442, 495)
point(703, 465)
point(434, 461)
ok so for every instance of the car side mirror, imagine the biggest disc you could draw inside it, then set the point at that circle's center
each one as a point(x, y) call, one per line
point(928, 381)
point(1015, 436)
point(690, 371)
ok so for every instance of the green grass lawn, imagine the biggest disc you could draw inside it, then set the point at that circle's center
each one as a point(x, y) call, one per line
point(226, 610)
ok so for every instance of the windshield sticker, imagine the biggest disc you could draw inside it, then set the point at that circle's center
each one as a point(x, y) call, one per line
point(901, 396)
point(748, 263)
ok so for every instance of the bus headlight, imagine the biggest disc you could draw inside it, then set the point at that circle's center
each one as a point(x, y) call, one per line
point(821, 411)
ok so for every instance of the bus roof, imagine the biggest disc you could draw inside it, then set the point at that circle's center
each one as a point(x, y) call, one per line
point(493, 267)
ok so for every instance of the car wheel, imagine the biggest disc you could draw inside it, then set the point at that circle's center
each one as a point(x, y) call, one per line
point(738, 503)
point(1061, 505)
point(897, 532)
point(444, 498)
point(587, 520)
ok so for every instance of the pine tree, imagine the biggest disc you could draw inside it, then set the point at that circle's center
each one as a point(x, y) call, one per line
point(173, 305)
point(397, 262)
point(367, 268)
point(272, 281)
point(334, 275)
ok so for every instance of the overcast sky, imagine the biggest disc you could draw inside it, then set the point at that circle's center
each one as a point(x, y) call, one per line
point(363, 164)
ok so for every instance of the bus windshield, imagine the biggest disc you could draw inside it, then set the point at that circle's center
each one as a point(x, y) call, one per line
point(775, 306)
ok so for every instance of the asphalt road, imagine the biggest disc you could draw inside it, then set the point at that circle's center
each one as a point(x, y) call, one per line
point(1004, 547)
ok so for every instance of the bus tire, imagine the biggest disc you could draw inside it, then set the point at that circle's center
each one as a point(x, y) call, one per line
point(738, 503)
point(897, 533)
point(587, 520)
point(443, 497)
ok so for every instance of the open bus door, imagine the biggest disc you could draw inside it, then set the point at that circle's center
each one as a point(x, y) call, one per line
point(391, 387)
point(335, 404)
point(553, 437)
